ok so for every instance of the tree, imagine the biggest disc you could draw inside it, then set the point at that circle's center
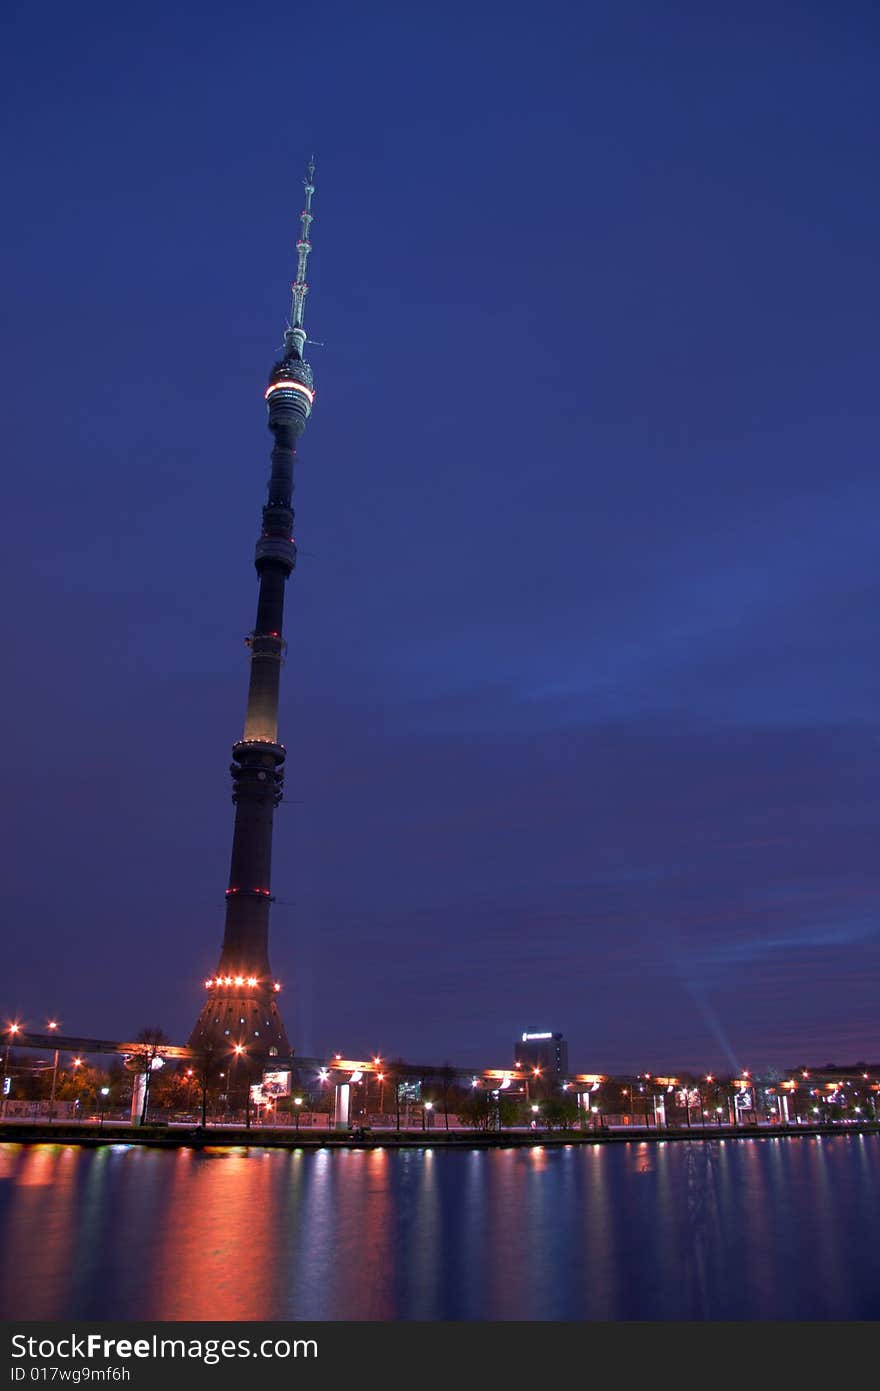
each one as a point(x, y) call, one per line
point(476, 1111)
point(561, 1111)
point(508, 1111)
point(149, 1046)
point(206, 1069)
point(446, 1077)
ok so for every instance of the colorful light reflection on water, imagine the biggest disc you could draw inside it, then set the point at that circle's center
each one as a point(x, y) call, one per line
point(750, 1229)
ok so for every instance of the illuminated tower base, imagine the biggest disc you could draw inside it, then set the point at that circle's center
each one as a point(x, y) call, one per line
point(235, 1015)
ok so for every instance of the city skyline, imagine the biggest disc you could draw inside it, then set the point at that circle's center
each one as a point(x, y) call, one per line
point(580, 700)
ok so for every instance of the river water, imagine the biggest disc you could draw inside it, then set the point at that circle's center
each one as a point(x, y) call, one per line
point(727, 1229)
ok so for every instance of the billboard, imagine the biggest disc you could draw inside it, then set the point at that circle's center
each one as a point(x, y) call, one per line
point(276, 1084)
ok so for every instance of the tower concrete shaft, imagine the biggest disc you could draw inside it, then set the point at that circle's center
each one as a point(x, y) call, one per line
point(241, 1009)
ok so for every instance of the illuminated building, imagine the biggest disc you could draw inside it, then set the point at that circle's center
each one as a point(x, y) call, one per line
point(544, 1050)
point(241, 1005)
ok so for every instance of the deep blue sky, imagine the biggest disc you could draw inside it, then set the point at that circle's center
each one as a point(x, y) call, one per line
point(581, 699)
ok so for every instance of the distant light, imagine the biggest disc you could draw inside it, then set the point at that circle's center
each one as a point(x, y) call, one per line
point(381, 1076)
point(277, 986)
point(208, 983)
point(53, 1024)
point(475, 1081)
point(14, 1029)
point(323, 1074)
point(77, 1062)
point(377, 1060)
point(709, 1077)
point(251, 980)
point(527, 1038)
point(239, 980)
point(105, 1091)
point(297, 1101)
point(239, 1048)
point(429, 1105)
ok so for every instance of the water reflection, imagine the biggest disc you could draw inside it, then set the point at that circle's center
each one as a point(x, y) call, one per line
point(773, 1228)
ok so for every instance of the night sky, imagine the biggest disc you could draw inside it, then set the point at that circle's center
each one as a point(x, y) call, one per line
point(582, 687)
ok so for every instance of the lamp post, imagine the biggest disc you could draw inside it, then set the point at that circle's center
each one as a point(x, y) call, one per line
point(428, 1107)
point(535, 1117)
point(705, 1108)
point(297, 1101)
point(52, 1026)
point(105, 1092)
point(238, 1051)
point(77, 1064)
point(12, 1030)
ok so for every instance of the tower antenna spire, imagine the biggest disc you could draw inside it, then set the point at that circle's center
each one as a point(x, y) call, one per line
point(295, 334)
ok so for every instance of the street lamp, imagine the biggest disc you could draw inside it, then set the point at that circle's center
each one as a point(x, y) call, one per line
point(105, 1092)
point(11, 1030)
point(238, 1050)
point(535, 1117)
point(297, 1101)
point(429, 1106)
point(52, 1026)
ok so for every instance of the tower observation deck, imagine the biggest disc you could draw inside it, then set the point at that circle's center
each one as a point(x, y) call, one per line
point(240, 1012)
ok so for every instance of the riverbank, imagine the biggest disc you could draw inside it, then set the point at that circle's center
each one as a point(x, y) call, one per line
point(194, 1137)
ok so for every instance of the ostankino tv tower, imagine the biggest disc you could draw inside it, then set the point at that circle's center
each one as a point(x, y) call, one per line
point(241, 1008)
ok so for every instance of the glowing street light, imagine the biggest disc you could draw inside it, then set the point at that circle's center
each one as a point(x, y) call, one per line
point(297, 1101)
point(238, 1050)
point(12, 1030)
